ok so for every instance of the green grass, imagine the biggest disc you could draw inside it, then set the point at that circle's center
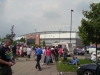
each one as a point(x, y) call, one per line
point(63, 67)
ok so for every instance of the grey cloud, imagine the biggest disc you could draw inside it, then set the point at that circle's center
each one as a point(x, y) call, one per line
point(28, 15)
point(52, 15)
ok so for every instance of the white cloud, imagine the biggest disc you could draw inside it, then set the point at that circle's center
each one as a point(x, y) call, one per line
point(28, 15)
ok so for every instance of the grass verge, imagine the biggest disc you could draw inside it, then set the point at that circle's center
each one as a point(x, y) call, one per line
point(64, 67)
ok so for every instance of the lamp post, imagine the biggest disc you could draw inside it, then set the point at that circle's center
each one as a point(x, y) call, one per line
point(71, 25)
point(35, 36)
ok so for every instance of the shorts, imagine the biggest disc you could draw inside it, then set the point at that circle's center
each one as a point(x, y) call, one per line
point(28, 56)
point(25, 53)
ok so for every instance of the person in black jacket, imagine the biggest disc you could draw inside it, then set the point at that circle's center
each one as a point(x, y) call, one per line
point(5, 59)
point(14, 52)
point(56, 54)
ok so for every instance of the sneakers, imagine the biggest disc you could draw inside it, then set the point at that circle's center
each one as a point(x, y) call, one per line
point(53, 61)
point(40, 70)
point(42, 63)
point(59, 61)
point(36, 67)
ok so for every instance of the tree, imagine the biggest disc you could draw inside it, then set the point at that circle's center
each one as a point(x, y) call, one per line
point(56, 42)
point(43, 43)
point(22, 40)
point(14, 42)
point(0, 39)
point(89, 31)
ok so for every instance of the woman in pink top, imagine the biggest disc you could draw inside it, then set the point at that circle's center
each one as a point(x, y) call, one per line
point(48, 54)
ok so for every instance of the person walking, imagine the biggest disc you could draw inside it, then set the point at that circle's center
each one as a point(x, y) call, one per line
point(28, 52)
point(52, 54)
point(25, 51)
point(48, 55)
point(60, 53)
point(38, 52)
point(56, 54)
point(43, 55)
point(20, 50)
point(65, 53)
point(5, 59)
point(14, 52)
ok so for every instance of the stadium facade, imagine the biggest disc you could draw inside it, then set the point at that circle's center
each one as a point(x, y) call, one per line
point(51, 36)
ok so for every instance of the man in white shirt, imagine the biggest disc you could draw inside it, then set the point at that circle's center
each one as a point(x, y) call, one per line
point(93, 57)
point(20, 50)
point(43, 55)
point(28, 52)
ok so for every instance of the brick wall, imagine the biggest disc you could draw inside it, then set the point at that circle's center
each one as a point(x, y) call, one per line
point(33, 36)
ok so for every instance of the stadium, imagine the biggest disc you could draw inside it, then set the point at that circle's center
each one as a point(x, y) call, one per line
point(53, 33)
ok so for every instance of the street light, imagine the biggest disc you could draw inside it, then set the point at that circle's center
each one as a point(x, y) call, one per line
point(71, 25)
point(35, 36)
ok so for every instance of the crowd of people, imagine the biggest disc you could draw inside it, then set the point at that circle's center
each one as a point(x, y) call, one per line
point(43, 55)
point(49, 52)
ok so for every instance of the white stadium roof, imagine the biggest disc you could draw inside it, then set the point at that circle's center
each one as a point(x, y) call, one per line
point(57, 28)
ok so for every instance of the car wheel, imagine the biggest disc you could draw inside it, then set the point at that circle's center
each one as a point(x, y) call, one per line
point(88, 73)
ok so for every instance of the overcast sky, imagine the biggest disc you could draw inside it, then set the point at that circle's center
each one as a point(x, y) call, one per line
point(28, 15)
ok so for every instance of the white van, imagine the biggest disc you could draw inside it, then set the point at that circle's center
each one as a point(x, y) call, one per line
point(93, 50)
point(63, 44)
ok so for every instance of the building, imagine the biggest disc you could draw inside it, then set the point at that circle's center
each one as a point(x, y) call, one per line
point(50, 36)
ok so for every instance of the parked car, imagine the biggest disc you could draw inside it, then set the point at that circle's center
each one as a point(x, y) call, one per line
point(79, 52)
point(89, 69)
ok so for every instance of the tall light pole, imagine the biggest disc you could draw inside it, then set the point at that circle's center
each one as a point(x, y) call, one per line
point(71, 25)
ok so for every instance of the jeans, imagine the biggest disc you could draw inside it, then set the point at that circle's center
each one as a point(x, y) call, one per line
point(5, 70)
point(56, 57)
point(14, 56)
point(65, 57)
point(38, 61)
point(47, 59)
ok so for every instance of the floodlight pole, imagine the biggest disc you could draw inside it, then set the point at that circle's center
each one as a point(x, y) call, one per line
point(71, 25)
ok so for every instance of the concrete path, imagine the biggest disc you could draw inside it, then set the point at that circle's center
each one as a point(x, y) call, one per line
point(23, 67)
